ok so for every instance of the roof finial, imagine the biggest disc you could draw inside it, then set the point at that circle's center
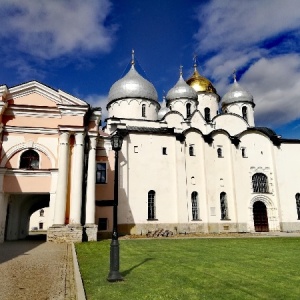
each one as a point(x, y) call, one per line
point(180, 70)
point(132, 57)
point(234, 75)
point(195, 61)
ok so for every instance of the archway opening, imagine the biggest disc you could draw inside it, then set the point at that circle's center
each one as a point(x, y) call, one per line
point(21, 207)
point(260, 217)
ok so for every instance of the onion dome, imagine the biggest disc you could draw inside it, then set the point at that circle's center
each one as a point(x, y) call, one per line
point(132, 85)
point(200, 83)
point(236, 94)
point(163, 111)
point(181, 90)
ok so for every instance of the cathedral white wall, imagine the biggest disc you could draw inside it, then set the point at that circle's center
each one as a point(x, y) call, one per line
point(287, 169)
point(231, 123)
point(148, 169)
point(180, 106)
point(236, 108)
point(210, 101)
point(132, 108)
point(259, 159)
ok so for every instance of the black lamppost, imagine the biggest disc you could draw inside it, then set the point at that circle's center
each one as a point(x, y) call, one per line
point(114, 274)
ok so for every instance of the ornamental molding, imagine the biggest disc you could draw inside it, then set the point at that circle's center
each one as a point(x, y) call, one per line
point(24, 146)
point(16, 129)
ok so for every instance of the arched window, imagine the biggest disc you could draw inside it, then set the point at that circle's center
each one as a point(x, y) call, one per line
point(245, 113)
point(188, 110)
point(195, 206)
point(219, 151)
point(191, 150)
point(29, 160)
point(224, 208)
point(42, 212)
point(151, 205)
point(143, 110)
point(298, 205)
point(260, 183)
point(207, 114)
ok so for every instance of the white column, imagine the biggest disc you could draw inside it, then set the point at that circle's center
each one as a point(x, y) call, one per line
point(91, 183)
point(77, 177)
point(62, 181)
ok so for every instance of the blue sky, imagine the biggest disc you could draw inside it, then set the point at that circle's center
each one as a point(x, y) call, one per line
point(83, 47)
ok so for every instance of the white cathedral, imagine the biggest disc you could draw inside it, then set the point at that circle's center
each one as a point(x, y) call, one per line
point(194, 164)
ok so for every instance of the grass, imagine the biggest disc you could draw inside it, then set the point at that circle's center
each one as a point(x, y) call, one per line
point(187, 269)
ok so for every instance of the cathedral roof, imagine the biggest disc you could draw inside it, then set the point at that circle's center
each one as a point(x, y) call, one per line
point(236, 94)
point(181, 90)
point(200, 83)
point(132, 85)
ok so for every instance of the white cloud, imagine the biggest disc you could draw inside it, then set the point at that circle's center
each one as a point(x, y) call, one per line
point(274, 83)
point(235, 33)
point(49, 29)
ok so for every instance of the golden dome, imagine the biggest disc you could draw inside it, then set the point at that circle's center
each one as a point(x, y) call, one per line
point(200, 83)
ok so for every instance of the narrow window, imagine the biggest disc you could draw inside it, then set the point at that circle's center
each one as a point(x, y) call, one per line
point(136, 149)
point(207, 114)
point(101, 173)
point(298, 204)
point(42, 213)
point(243, 152)
point(102, 224)
point(260, 183)
point(195, 206)
point(224, 208)
point(164, 150)
point(41, 225)
point(219, 152)
point(151, 205)
point(144, 110)
point(188, 110)
point(29, 160)
point(245, 113)
point(191, 150)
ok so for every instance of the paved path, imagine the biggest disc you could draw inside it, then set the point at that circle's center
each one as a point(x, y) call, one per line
point(35, 270)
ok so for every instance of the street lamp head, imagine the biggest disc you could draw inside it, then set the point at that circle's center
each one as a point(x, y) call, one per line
point(116, 141)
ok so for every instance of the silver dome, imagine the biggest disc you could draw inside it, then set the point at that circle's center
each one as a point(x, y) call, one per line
point(132, 85)
point(181, 90)
point(236, 94)
point(163, 111)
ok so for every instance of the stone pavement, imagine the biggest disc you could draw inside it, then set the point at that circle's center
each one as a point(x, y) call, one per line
point(36, 270)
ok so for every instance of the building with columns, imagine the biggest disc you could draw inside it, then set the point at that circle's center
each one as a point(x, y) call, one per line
point(193, 163)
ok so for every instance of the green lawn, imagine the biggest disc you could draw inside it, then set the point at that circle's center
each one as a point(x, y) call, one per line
point(205, 268)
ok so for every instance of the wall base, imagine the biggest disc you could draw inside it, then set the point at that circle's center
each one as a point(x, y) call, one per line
point(64, 233)
point(90, 231)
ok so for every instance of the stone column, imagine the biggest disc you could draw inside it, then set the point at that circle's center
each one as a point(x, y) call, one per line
point(62, 181)
point(77, 177)
point(90, 227)
point(91, 183)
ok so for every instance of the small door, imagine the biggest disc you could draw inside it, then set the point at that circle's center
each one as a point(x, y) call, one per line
point(260, 217)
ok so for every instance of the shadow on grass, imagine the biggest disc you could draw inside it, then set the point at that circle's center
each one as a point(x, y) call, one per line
point(126, 272)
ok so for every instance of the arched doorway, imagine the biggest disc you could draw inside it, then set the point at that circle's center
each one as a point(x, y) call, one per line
point(260, 217)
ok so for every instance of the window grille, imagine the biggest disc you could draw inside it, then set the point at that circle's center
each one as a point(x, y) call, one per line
point(29, 160)
point(188, 110)
point(219, 151)
point(195, 208)
point(207, 114)
point(298, 204)
point(101, 173)
point(144, 110)
point(245, 113)
point(224, 208)
point(260, 183)
point(151, 205)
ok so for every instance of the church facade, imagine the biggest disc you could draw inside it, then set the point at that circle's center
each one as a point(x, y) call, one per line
point(195, 163)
